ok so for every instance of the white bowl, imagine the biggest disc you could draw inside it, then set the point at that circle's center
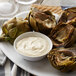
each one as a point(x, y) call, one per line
point(33, 34)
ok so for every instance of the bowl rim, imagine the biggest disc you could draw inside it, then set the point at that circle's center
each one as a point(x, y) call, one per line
point(48, 39)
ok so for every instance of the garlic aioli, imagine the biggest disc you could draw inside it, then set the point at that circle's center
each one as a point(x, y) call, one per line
point(32, 46)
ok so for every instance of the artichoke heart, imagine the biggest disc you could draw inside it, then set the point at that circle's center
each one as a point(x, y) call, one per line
point(42, 21)
point(13, 28)
point(63, 59)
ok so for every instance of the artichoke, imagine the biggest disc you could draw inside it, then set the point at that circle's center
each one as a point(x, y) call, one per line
point(13, 28)
point(42, 21)
point(63, 35)
point(68, 15)
point(63, 59)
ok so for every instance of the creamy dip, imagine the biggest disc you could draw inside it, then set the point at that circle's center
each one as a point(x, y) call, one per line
point(32, 46)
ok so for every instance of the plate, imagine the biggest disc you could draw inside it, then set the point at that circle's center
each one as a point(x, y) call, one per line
point(39, 68)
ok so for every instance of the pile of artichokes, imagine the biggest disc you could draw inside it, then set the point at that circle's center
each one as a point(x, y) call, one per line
point(64, 35)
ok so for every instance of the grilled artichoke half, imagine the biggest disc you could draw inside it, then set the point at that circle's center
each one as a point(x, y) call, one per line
point(13, 28)
point(42, 21)
point(68, 15)
point(63, 35)
point(63, 59)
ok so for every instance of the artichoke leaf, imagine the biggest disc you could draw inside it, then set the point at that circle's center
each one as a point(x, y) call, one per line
point(33, 23)
point(13, 32)
point(5, 30)
point(9, 26)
